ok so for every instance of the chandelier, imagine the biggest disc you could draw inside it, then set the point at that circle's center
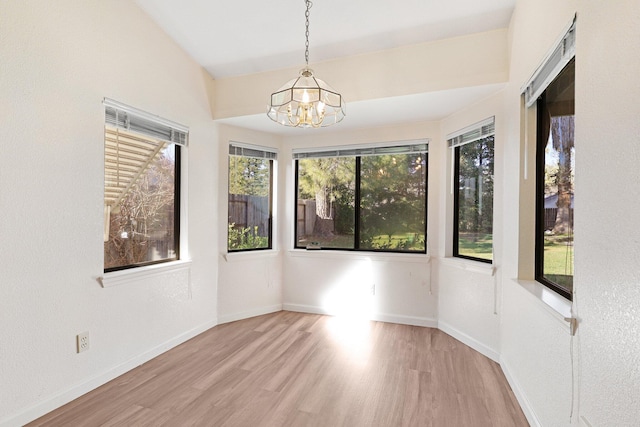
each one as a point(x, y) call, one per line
point(306, 101)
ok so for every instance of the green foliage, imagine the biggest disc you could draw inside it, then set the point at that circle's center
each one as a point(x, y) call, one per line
point(335, 173)
point(475, 187)
point(393, 191)
point(245, 238)
point(249, 176)
point(400, 242)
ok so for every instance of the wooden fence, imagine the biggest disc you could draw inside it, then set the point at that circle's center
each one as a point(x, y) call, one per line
point(306, 217)
point(249, 211)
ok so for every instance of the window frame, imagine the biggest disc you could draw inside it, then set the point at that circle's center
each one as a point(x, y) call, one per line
point(455, 186)
point(554, 63)
point(540, 163)
point(270, 154)
point(135, 121)
point(357, 153)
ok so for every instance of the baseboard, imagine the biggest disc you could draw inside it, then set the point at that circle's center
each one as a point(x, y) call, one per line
point(66, 396)
point(471, 342)
point(227, 318)
point(520, 395)
point(380, 317)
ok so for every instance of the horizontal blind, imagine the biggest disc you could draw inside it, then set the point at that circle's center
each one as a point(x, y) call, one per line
point(248, 150)
point(472, 133)
point(562, 53)
point(407, 147)
point(131, 119)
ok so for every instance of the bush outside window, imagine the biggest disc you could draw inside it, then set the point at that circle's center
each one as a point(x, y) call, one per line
point(250, 198)
point(374, 200)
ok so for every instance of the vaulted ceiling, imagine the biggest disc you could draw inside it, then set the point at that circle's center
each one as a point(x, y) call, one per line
point(235, 38)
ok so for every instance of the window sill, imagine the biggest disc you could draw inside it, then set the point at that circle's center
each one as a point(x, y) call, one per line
point(469, 265)
point(250, 255)
point(555, 304)
point(360, 255)
point(117, 278)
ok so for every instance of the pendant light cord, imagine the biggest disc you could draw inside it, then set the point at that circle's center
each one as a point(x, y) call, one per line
point(306, 44)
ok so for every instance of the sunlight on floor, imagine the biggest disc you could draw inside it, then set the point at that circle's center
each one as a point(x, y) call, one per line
point(350, 301)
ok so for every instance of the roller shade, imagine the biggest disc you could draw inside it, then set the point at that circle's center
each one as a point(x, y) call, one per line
point(131, 119)
point(248, 150)
point(407, 147)
point(472, 133)
point(563, 52)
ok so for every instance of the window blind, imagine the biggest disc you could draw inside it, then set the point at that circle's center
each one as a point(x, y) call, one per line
point(248, 150)
point(407, 147)
point(122, 116)
point(563, 52)
point(472, 133)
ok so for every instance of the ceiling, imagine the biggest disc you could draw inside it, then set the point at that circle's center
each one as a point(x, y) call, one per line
point(233, 38)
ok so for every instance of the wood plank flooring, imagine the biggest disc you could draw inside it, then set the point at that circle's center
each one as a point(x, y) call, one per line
point(295, 369)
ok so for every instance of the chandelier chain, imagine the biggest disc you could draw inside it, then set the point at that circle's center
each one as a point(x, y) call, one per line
point(306, 44)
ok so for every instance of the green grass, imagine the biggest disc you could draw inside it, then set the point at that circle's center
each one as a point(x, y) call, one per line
point(478, 247)
point(558, 262)
point(406, 242)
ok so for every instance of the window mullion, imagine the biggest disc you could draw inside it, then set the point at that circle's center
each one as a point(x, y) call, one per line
point(356, 231)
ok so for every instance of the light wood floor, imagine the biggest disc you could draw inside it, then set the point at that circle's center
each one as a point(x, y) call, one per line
point(293, 369)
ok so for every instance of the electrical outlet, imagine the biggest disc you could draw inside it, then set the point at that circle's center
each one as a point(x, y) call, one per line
point(82, 340)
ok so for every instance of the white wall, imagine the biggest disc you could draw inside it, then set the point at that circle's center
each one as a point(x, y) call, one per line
point(249, 283)
point(60, 65)
point(375, 75)
point(469, 294)
point(340, 282)
point(607, 246)
point(59, 60)
point(535, 341)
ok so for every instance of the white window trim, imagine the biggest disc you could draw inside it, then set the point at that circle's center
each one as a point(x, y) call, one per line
point(469, 265)
point(272, 154)
point(250, 255)
point(121, 277)
point(418, 258)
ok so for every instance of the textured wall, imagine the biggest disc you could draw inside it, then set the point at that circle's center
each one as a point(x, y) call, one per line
point(608, 239)
point(535, 343)
point(324, 281)
point(59, 60)
point(249, 283)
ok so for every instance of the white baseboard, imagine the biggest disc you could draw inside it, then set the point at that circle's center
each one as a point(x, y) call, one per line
point(66, 396)
point(471, 342)
point(520, 395)
point(380, 317)
point(227, 318)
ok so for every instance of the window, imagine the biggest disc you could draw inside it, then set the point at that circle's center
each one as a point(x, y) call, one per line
point(555, 166)
point(141, 187)
point(473, 195)
point(250, 197)
point(551, 89)
point(370, 198)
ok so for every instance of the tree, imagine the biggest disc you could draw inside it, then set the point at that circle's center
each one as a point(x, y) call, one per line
point(248, 176)
point(562, 136)
point(475, 186)
point(326, 180)
point(392, 192)
point(145, 216)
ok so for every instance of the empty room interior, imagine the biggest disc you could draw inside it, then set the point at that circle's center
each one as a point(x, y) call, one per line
point(328, 213)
